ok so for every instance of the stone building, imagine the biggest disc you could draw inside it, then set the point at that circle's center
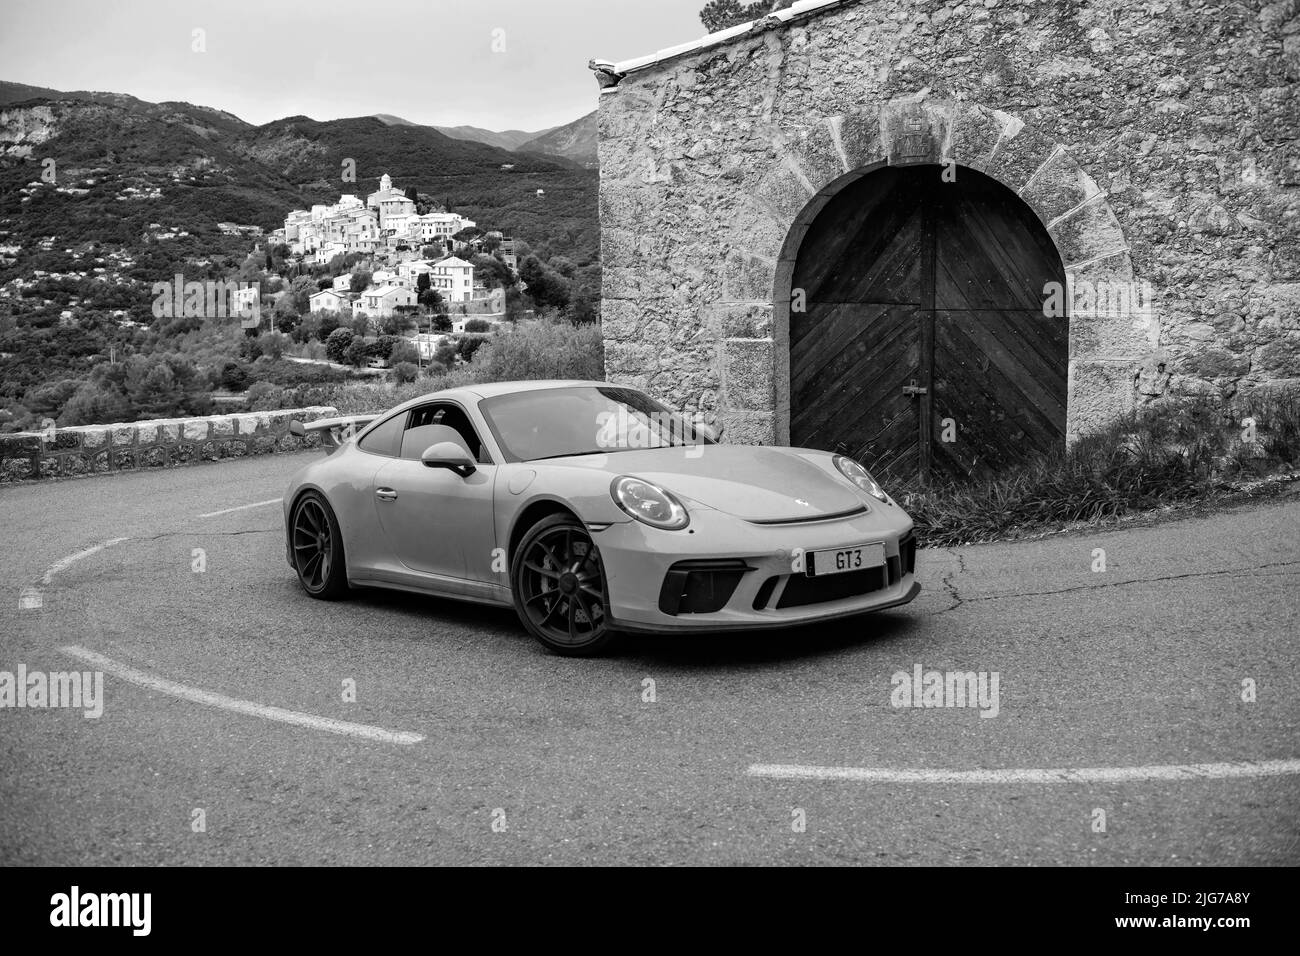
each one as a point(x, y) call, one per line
point(847, 224)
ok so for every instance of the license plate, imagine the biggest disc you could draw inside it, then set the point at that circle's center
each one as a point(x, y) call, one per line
point(842, 560)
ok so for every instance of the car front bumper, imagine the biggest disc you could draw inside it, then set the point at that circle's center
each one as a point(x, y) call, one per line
point(770, 588)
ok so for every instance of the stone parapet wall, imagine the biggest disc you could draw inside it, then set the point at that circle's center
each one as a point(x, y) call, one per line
point(160, 443)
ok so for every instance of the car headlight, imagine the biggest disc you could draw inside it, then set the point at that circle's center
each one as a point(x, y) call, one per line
point(648, 503)
point(855, 473)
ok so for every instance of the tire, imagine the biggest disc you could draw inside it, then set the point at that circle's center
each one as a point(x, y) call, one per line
point(317, 547)
point(558, 584)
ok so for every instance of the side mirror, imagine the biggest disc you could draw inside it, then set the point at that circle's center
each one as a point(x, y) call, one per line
point(449, 455)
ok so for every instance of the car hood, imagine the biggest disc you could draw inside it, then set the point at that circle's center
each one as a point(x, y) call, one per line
point(751, 482)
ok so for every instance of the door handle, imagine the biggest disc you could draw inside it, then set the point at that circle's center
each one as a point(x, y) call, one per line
point(387, 494)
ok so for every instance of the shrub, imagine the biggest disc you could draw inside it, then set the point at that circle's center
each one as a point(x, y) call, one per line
point(1172, 451)
point(468, 345)
point(543, 349)
point(336, 346)
point(405, 372)
point(478, 325)
point(264, 396)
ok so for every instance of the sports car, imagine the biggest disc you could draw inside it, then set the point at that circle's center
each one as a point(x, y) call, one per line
point(592, 510)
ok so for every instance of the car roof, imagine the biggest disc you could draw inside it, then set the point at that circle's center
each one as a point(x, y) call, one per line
point(472, 393)
point(492, 389)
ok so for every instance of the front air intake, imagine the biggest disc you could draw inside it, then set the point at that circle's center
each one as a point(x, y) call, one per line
point(700, 586)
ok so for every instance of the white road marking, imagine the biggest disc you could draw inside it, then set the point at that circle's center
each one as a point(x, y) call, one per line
point(255, 504)
point(1191, 771)
point(246, 707)
point(64, 563)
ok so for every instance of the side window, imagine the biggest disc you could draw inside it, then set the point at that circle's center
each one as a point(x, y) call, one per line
point(383, 439)
point(431, 424)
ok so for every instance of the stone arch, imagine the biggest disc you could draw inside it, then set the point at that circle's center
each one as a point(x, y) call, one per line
point(814, 164)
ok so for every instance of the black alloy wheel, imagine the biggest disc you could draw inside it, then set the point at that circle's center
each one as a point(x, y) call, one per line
point(559, 587)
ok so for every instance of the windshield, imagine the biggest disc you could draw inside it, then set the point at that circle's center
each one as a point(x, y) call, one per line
point(583, 420)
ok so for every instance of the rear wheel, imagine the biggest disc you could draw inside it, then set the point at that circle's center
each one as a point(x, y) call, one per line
point(318, 548)
point(559, 587)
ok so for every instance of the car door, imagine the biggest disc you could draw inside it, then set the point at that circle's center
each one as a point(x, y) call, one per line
point(435, 520)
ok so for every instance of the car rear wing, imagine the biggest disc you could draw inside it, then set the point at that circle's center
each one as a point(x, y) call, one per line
point(333, 431)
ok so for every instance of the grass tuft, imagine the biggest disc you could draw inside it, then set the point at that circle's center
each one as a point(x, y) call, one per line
point(1167, 453)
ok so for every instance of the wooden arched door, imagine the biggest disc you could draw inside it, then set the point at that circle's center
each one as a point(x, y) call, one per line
point(921, 348)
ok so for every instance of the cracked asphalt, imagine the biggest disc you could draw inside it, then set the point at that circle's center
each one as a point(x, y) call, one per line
point(1144, 663)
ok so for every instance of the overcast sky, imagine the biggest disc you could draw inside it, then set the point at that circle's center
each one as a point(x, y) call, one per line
point(430, 61)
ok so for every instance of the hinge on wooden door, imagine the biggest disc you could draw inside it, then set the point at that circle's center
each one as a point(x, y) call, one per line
point(914, 389)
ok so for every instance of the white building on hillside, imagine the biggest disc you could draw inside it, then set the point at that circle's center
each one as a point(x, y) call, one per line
point(378, 302)
point(441, 226)
point(327, 300)
point(453, 278)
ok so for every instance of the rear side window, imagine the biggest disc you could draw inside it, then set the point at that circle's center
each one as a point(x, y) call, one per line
point(384, 438)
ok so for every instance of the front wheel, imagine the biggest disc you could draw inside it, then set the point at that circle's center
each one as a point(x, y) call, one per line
point(558, 583)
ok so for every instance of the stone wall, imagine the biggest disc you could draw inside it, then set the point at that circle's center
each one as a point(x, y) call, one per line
point(1156, 141)
point(162, 443)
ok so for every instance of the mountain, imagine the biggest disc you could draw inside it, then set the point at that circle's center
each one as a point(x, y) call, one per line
point(507, 139)
point(198, 166)
point(17, 92)
point(575, 141)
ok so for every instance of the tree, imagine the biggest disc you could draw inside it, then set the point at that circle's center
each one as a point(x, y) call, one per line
point(356, 352)
point(273, 346)
point(478, 325)
point(491, 272)
point(441, 322)
point(433, 251)
point(432, 300)
point(286, 313)
point(423, 282)
point(94, 404)
point(49, 399)
point(721, 14)
point(326, 324)
point(412, 194)
point(234, 377)
point(336, 346)
point(582, 309)
point(360, 281)
point(301, 289)
point(404, 351)
point(468, 345)
point(548, 289)
point(383, 346)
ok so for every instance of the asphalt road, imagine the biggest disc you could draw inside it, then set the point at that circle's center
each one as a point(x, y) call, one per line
point(531, 758)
